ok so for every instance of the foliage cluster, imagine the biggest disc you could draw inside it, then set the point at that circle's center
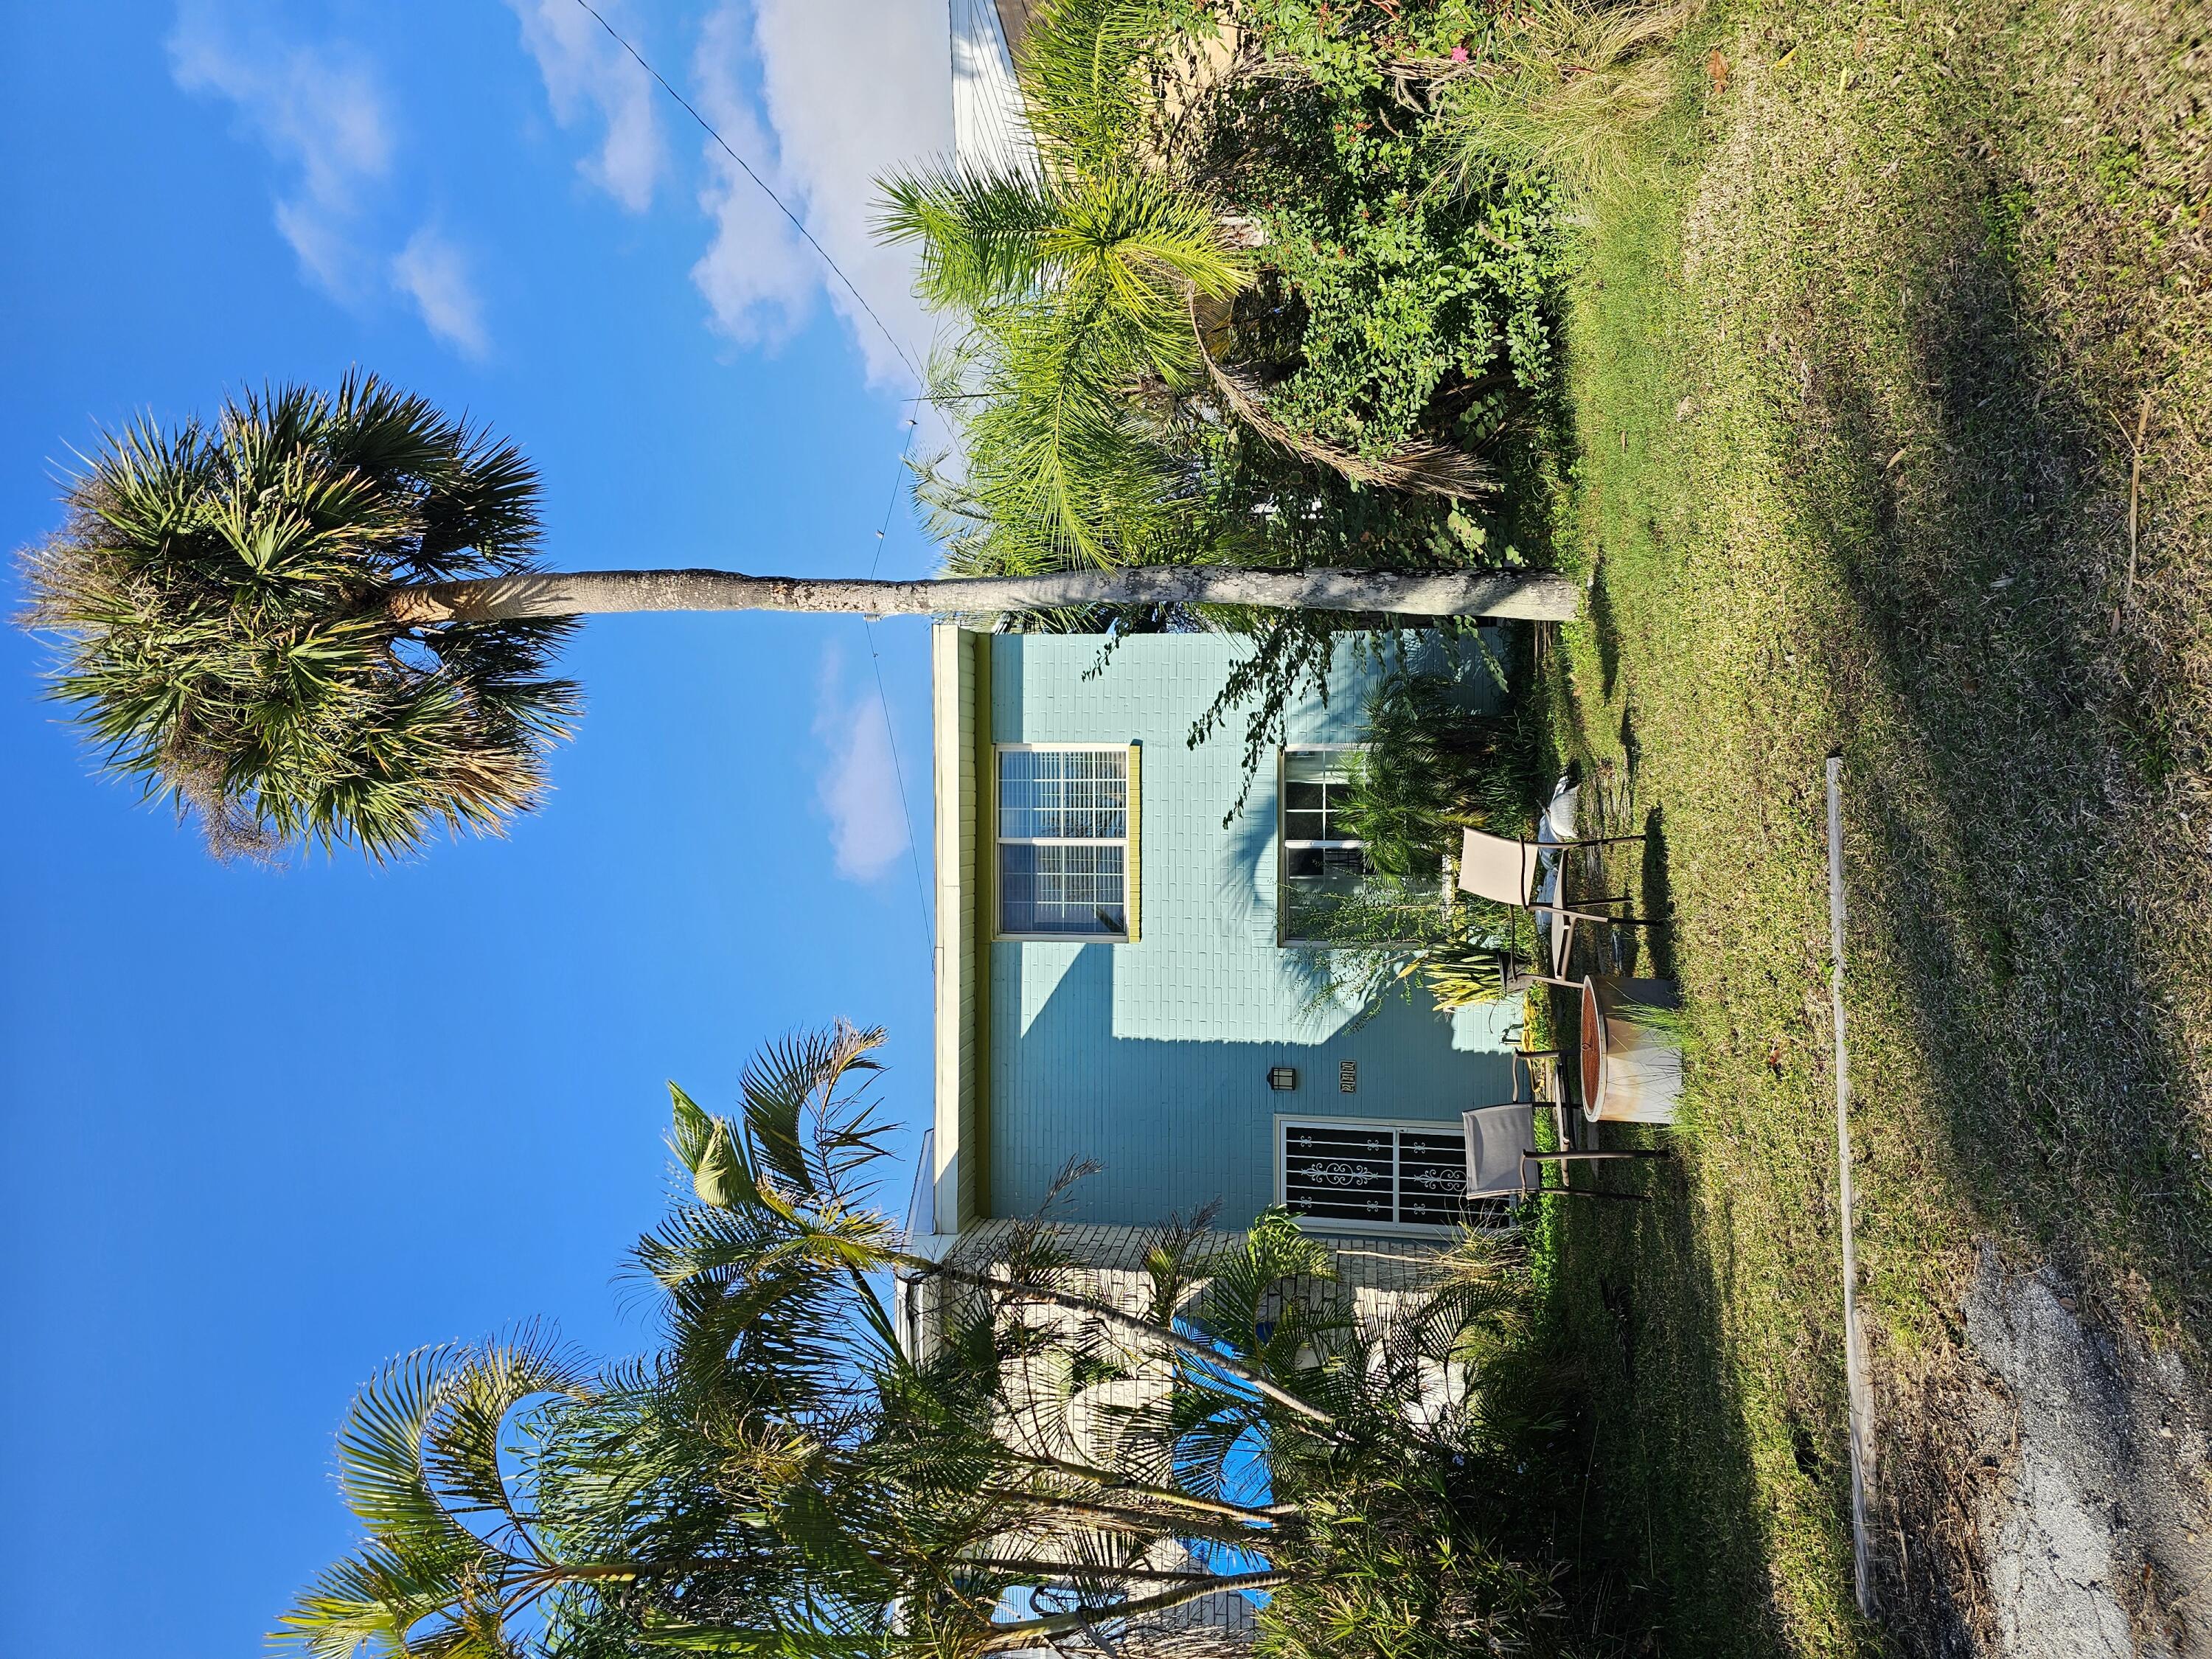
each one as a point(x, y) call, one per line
point(1409, 292)
point(1433, 766)
point(1230, 317)
point(1350, 49)
point(1410, 1573)
point(1075, 281)
point(1558, 86)
point(805, 1467)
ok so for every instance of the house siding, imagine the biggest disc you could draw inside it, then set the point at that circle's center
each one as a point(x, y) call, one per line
point(1151, 1057)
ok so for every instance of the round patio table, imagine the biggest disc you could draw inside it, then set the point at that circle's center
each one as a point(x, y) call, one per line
point(1593, 1052)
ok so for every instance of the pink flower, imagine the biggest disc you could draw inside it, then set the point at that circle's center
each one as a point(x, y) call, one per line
point(1459, 54)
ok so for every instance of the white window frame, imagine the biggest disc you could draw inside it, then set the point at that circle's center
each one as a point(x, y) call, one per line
point(1285, 1121)
point(1125, 841)
point(1284, 936)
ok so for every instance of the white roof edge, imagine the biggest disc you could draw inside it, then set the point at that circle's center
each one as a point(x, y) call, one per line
point(990, 126)
point(950, 678)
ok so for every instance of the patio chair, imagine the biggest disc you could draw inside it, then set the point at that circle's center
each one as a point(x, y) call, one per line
point(1503, 1161)
point(1510, 869)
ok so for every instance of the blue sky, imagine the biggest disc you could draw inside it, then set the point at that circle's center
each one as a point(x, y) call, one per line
point(259, 1131)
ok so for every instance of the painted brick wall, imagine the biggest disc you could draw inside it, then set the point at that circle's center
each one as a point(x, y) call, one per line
point(1152, 1058)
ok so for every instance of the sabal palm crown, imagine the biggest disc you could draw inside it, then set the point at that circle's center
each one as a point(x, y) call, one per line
point(220, 589)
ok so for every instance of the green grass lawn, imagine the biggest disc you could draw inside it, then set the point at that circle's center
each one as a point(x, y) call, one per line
point(1858, 365)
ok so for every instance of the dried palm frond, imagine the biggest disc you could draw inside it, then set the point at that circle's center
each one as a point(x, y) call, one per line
point(1426, 466)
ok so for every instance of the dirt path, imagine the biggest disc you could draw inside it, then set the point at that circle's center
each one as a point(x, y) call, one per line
point(2055, 1496)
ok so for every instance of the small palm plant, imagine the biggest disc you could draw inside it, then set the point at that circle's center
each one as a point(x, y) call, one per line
point(1432, 766)
point(318, 619)
point(1094, 383)
point(782, 1475)
point(1077, 281)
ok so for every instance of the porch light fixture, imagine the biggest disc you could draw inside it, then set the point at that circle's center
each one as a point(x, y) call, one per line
point(1282, 1079)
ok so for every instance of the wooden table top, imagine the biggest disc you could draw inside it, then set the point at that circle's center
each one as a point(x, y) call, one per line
point(1593, 1056)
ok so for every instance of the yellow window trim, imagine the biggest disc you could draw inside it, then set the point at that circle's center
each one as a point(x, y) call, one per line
point(987, 845)
point(1133, 890)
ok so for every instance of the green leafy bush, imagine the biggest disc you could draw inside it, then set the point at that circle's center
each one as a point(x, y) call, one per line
point(1389, 310)
point(1393, 306)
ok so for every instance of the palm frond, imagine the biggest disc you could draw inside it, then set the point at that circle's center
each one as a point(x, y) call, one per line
point(468, 1426)
point(1423, 464)
point(1082, 72)
point(776, 1477)
point(217, 594)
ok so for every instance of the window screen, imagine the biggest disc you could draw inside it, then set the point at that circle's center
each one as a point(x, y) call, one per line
point(1323, 863)
point(1377, 1174)
point(1063, 819)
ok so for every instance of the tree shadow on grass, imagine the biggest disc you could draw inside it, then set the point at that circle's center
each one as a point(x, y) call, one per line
point(2007, 865)
point(1657, 898)
point(1605, 624)
point(1650, 1481)
point(1631, 745)
point(2001, 831)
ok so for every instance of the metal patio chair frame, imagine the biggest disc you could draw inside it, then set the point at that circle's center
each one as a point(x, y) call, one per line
point(1528, 862)
point(1524, 1188)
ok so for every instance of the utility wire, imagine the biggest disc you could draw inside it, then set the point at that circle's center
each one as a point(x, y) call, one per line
point(798, 224)
point(898, 770)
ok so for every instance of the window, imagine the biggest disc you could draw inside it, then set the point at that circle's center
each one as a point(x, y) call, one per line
point(1064, 842)
point(1374, 1174)
point(1322, 863)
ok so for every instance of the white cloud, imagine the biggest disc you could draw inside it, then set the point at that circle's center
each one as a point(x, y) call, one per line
point(852, 89)
point(318, 111)
point(586, 71)
point(858, 786)
point(758, 277)
point(434, 273)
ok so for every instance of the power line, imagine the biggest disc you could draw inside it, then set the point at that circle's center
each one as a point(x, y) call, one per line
point(798, 224)
point(891, 506)
point(882, 697)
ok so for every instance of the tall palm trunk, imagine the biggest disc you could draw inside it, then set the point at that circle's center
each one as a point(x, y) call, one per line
point(1541, 597)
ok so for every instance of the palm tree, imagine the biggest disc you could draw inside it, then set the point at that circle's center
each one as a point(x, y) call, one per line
point(318, 619)
point(1075, 290)
point(1095, 289)
point(1077, 280)
point(780, 1476)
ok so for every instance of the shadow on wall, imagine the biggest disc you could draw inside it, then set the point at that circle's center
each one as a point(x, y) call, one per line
point(1246, 883)
point(1182, 1122)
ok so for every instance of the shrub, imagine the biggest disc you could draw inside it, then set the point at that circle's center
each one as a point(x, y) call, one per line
point(1433, 766)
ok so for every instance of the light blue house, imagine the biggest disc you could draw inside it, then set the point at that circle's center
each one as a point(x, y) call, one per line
point(1117, 975)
